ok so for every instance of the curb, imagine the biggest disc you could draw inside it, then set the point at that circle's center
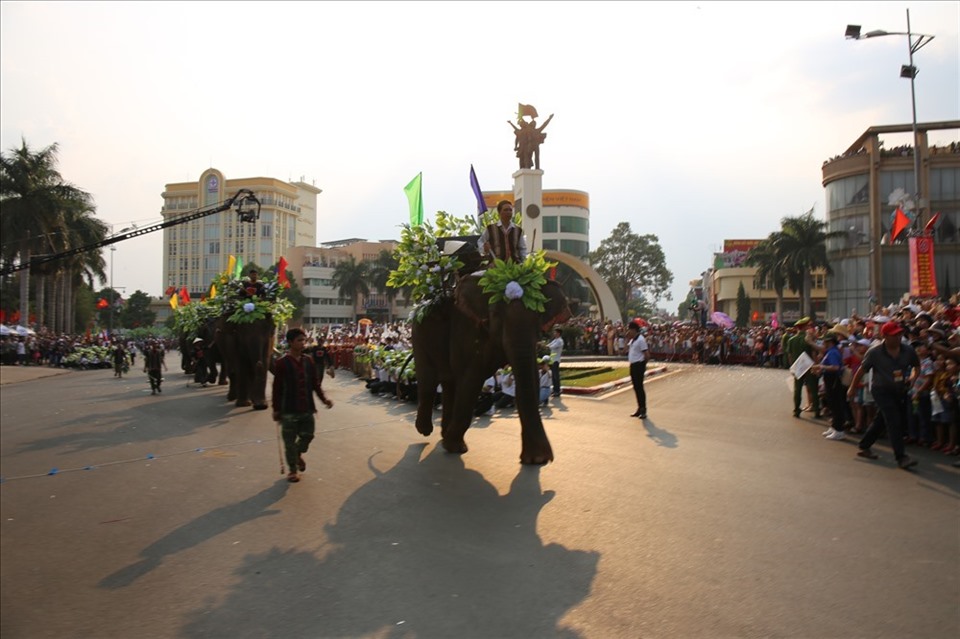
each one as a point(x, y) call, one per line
point(603, 388)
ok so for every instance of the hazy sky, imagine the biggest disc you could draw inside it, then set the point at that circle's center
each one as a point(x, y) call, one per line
point(692, 121)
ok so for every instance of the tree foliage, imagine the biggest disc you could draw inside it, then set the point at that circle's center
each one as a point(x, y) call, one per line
point(634, 267)
point(43, 213)
point(743, 307)
point(350, 278)
point(136, 312)
point(789, 256)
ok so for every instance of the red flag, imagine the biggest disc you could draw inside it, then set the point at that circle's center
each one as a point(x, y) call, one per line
point(102, 303)
point(184, 295)
point(900, 222)
point(928, 229)
point(282, 272)
point(170, 291)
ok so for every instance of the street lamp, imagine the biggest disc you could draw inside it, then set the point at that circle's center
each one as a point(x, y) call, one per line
point(113, 292)
point(915, 42)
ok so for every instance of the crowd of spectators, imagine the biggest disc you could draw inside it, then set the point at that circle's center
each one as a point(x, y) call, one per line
point(46, 348)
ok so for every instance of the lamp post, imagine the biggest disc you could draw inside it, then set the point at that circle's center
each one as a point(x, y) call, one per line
point(113, 292)
point(915, 42)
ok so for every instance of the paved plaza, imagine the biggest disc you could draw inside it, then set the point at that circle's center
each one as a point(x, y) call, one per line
point(127, 515)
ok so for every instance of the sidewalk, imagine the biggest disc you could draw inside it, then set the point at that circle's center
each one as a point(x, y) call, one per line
point(16, 374)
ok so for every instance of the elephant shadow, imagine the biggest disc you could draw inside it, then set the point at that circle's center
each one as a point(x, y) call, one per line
point(428, 548)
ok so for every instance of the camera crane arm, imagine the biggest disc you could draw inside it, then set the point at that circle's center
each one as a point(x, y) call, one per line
point(248, 208)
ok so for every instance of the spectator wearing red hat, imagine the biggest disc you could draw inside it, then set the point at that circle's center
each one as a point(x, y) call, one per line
point(895, 366)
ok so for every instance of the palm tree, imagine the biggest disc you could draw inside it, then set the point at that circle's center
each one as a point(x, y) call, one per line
point(33, 198)
point(379, 272)
point(350, 277)
point(764, 257)
point(801, 247)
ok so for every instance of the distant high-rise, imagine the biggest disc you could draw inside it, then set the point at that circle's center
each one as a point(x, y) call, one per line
point(196, 252)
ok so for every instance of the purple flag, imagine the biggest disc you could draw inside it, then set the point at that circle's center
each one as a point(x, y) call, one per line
point(481, 204)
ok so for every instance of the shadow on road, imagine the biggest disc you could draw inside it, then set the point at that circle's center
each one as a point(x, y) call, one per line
point(428, 548)
point(659, 436)
point(208, 526)
point(158, 420)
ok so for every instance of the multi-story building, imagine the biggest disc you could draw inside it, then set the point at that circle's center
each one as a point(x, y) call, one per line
point(866, 266)
point(196, 252)
point(566, 219)
point(314, 267)
point(722, 282)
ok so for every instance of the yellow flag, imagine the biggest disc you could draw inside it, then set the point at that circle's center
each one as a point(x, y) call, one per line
point(213, 291)
point(173, 301)
point(231, 264)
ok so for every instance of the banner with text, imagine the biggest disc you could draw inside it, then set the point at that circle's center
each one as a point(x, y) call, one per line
point(923, 278)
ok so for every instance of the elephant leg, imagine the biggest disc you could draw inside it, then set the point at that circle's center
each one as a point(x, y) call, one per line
point(258, 390)
point(536, 447)
point(426, 396)
point(466, 391)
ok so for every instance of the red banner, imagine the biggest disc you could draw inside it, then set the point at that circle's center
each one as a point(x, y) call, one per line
point(923, 278)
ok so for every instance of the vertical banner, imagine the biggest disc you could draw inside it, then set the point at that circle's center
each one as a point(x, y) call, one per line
point(923, 278)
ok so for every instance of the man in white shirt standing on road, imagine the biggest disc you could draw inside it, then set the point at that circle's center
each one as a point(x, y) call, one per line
point(637, 356)
point(556, 350)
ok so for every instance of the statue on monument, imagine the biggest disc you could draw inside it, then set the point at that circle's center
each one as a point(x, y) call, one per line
point(528, 136)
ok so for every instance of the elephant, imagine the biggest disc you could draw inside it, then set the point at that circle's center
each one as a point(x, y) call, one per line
point(212, 356)
point(462, 341)
point(247, 349)
point(184, 344)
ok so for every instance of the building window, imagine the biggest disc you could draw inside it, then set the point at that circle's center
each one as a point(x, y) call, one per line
point(577, 248)
point(550, 245)
point(945, 184)
point(266, 231)
point(549, 223)
point(214, 247)
point(570, 224)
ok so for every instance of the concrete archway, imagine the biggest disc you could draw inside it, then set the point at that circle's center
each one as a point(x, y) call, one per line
point(609, 309)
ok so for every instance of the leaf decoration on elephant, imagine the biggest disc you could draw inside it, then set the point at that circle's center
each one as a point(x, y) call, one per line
point(507, 281)
point(424, 272)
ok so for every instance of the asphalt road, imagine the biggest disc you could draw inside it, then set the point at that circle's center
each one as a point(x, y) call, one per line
point(721, 516)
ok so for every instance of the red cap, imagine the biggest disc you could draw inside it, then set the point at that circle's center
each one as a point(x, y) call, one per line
point(891, 328)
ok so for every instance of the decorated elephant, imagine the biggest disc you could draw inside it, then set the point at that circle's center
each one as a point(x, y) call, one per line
point(463, 340)
point(246, 348)
point(214, 361)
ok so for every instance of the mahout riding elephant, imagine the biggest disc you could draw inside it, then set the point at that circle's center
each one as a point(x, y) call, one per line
point(247, 348)
point(462, 341)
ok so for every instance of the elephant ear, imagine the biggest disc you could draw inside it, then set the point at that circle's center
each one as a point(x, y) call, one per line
point(556, 308)
point(470, 300)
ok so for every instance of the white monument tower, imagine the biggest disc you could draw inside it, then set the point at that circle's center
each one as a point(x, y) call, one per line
point(528, 181)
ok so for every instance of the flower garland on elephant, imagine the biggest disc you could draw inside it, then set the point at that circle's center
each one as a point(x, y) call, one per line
point(430, 275)
point(240, 303)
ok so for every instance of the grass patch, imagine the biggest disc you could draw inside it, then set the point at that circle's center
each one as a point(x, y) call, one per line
point(584, 378)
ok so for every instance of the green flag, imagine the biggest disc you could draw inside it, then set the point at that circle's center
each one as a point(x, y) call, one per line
point(414, 193)
point(239, 271)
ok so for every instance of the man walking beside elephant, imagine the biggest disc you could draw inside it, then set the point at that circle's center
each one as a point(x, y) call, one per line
point(295, 379)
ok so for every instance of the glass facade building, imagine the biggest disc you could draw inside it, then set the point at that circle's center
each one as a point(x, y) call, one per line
point(867, 267)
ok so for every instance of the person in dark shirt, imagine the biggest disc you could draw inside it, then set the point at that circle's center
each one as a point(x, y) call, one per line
point(295, 379)
point(895, 366)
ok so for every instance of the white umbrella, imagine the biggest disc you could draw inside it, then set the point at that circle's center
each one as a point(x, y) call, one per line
point(4, 330)
point(23, 331)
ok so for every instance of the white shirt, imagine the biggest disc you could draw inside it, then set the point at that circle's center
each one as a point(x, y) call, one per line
point(638, 350)
point(556, 349)
point(546, 379)
point(507, 385)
